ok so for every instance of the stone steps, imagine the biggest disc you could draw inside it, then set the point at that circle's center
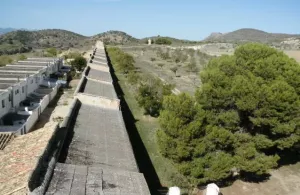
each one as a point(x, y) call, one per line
point(4, 139)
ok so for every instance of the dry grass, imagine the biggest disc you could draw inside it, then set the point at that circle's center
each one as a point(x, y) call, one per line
point(294, 54)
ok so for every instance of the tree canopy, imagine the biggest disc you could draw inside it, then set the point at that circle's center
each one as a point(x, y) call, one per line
point(163, 41)
point(245, 112)
point(79, 63)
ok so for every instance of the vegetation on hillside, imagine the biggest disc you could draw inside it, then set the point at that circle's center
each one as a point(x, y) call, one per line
point(22, 41)
point(79, 63)
point(115, 37)
point(131, 83)
point(148, 89)
point(245, 113)
point(5, 59)
point(163, 41)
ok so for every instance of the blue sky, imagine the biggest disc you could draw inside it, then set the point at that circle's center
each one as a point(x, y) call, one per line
point(186, 19)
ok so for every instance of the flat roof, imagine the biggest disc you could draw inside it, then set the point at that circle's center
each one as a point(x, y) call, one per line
point(16, 73)
point(99, 75)
point(20, 68)
point(29, 63)
point(5, 75)
point(87, 180)
point(42, 59)
point(9, 81)
point(99, 137)
point(100, 89)
point(5, 86)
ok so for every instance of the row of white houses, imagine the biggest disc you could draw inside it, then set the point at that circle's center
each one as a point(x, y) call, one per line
point(19, 86)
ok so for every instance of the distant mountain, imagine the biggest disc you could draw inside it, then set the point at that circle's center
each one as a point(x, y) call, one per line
point(249, 34)
point(6, 30)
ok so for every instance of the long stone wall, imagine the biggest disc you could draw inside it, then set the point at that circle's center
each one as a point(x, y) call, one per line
point(108, 154)
point(41, 176)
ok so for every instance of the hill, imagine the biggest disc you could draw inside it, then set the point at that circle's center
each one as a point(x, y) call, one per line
point(174, 40)
point(248, 34)
point(115, 37)
point(22, 41)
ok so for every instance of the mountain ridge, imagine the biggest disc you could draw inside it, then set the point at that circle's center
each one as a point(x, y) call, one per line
point(24, 40)
point(249, 34)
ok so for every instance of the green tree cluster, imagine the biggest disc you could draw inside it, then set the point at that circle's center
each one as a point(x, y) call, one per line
point(123, 62)
point(242, 116)
point(163, 41)
point(150, 95)
point(79, 63)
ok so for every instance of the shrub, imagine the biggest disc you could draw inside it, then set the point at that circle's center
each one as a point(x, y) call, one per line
point(163, 41)
point(79, 63)
point(5, 60)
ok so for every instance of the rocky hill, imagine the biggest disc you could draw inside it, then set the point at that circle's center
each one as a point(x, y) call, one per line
point(248, 34)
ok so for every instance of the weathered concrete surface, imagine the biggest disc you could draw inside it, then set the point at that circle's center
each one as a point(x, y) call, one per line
point(100, 89)
point(81, 180)
point(99, 75)
point(100, 138)
point(99, 101)
point(101, 67)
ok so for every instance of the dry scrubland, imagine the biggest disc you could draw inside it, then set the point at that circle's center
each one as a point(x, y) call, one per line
point(185, 79)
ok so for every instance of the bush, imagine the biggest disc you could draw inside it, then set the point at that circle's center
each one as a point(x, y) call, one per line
point(5, 60)
point(150, 95)
point(51, 52)
point(163, 41)
point(152, 59)
point(22, 57)
point(243, 115)
point(79, 63)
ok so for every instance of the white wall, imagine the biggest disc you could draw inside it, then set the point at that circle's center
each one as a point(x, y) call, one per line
point(7, 104)
point(44, 102)
point(32, 120)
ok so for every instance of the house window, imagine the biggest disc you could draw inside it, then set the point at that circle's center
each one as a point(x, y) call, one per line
point(9, 97)
point(16, 92)
point(23, 90)
point(31, 81)
point(3, 104)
